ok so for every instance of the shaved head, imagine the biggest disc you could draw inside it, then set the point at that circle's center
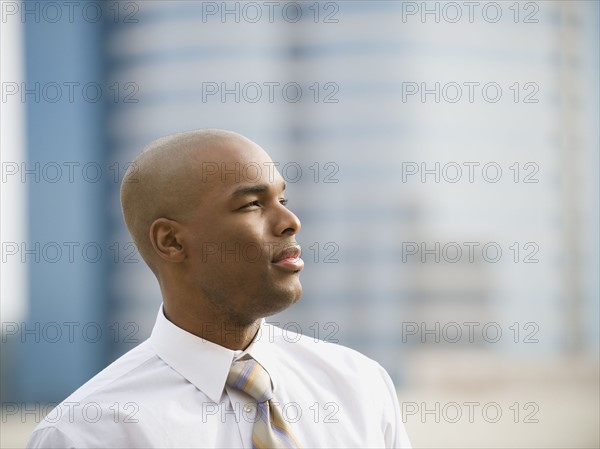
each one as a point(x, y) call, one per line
point(162, 180)
point(207, 211)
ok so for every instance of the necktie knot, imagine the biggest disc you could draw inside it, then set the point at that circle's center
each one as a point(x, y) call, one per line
point(270, 428)
point(250, 377)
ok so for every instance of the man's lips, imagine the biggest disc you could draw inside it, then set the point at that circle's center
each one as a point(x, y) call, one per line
point(289, 252)
point(289, 258)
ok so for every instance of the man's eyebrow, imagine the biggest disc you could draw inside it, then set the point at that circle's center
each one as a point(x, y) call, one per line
point(254, 189)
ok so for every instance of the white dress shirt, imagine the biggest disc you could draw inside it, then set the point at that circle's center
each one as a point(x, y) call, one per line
point(170, 392)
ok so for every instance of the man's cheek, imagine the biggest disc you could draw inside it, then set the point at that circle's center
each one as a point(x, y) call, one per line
point(209, 252)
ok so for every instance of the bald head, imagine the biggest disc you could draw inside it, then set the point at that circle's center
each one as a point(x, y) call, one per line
point(163, 180)
point(208, 213)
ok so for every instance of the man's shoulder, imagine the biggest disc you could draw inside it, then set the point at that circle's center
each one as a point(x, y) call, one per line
point(320, 343)
point(326, 368)
point(109, 393)
point(127, 368)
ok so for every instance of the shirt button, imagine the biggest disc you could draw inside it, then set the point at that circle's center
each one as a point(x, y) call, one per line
point(247, 408)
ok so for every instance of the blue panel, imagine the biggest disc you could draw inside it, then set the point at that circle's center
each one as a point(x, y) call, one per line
point(68, 292)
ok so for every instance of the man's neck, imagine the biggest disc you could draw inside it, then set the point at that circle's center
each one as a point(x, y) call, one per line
point(223, 332)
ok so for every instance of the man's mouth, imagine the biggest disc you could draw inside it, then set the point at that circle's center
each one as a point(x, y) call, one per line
point(289, 258)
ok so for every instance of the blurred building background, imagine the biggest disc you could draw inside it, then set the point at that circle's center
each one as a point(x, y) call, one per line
point(442, 157)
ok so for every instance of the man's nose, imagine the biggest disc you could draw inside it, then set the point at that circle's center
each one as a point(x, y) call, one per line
point(288, 223)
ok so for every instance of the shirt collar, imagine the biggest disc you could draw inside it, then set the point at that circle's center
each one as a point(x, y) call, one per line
point(261, 349)
point(203, 363)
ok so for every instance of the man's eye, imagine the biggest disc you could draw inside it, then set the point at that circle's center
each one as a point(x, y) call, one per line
point(283, 201)
point(250, 204)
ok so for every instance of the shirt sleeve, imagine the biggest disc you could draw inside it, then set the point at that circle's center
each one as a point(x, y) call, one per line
point(395, 433)
point(49, 437)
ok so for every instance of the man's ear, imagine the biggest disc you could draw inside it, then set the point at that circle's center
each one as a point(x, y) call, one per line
point(165, 238)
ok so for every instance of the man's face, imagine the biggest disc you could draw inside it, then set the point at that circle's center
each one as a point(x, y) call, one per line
point(242, 252)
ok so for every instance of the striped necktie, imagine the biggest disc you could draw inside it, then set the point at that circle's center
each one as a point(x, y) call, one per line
point(270, 429)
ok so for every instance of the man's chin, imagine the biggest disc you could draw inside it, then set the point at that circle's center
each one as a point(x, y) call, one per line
point(284, 300)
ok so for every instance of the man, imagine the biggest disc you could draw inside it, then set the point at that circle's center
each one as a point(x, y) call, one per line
point(207, 210)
